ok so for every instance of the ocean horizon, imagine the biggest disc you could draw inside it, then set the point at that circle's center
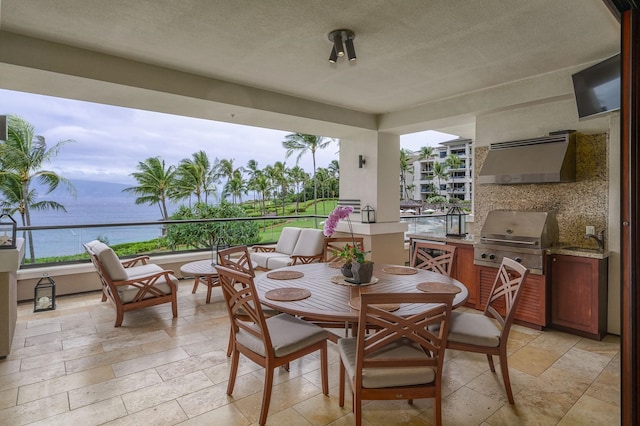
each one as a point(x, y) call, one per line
point(95, 203)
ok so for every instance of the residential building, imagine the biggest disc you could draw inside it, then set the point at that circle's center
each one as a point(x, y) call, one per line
point(458, 182)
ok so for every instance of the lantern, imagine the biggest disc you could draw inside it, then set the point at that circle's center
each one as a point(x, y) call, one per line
point(8, 228)
point(456, 222)
point(44, 294)
point(368, 214)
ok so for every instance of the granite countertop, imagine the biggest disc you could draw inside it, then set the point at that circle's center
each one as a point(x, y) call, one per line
point(564, 249)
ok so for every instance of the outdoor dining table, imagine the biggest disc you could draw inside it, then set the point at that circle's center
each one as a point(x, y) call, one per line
point(318, 292)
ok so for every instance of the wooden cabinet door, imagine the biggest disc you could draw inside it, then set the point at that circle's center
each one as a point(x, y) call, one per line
point(465, 271)
point(578, 295)
point(532, 309)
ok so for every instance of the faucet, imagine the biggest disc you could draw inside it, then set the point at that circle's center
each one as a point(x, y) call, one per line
point(599, 239)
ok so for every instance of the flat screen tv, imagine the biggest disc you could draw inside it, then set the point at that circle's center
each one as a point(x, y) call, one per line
point(597, 88)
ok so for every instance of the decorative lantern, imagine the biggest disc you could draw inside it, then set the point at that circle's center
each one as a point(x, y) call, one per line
point(456, 222)
point(44, 294)
point(368, 214)
point(8, 228)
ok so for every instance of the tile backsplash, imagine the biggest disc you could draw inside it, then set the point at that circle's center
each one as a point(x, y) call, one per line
point(578, 204)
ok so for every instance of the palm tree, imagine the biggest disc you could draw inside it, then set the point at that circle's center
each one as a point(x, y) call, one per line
point(278, 173)
point(453, 162)
point(262, 186)
point(439, 172)
point(303, 143)
point(196, 176)
point(426, 153)
point(156, 181)
point(405, 169)
point(298, 176)
point(22, 157)
point(235, 187)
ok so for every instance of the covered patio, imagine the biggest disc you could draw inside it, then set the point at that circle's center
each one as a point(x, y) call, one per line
point(479, 70)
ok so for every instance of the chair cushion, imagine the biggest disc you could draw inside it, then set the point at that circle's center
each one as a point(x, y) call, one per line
point(310, 243)
point(474, 329)
point(141, 270)
point(288, 239)
point(288, 334)
point(388, 376)
point(110, 262)
point(92, 244)
point(127, 293)
point(264, 260)
point(276, 262)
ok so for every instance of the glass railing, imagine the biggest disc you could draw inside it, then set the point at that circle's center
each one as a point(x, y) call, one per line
point(63, 243)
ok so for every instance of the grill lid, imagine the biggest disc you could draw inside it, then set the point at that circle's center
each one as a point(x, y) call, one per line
point(520, 228)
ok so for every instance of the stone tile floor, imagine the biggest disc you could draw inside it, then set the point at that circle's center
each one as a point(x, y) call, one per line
point(71, 366)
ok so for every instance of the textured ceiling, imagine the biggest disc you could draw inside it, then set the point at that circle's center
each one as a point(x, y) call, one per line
point(409, 51)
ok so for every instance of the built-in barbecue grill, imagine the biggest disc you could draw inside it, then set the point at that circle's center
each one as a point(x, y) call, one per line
point(519, 235)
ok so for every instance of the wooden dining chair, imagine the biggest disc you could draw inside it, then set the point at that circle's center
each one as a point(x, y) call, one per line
point(488, 333)
point(433, 257)
point(402, 358)
point(271, 342)
point(239, 259)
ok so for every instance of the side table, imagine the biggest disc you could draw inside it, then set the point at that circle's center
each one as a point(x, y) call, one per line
point(201, 269)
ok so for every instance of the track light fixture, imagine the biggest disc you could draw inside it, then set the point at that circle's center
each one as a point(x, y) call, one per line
point(337, 37)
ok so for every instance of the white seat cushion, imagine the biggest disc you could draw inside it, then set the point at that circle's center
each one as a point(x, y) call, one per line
point(288, 239)
point(288, 334)
point(276, 262)
point(264, 259)
point(137, 271)
point(474, 329)
point(310, 243)
point(386, 377)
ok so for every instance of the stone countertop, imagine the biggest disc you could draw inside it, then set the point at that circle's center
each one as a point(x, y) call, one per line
point(470, 239)
point(580, 252)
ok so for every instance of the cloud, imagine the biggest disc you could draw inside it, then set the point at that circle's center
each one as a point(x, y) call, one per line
point(110, 141)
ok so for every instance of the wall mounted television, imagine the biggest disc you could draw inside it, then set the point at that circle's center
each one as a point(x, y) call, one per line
point(597, 88)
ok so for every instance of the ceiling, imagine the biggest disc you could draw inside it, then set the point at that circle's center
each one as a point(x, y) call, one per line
point(410, 52)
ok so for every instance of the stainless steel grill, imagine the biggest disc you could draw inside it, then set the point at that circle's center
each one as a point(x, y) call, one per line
point(519, 235)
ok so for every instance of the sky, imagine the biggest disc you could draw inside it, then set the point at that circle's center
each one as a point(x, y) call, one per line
point(103, 131)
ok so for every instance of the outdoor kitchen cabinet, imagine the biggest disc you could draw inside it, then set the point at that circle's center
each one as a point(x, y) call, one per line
point(465, 271)
point(579, 295)
point(532, 310)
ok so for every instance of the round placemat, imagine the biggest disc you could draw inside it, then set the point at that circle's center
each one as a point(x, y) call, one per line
point(335, 264)
point(355, 303)
point(436, 287)
point(342, 280)
point(399, 270)
point(285, 275)
point(287, 294)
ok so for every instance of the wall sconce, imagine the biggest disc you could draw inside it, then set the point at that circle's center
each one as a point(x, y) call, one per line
point(368, 214)
point(361, 161)
point(44, 294)
point(456, 222)
point(337, 37)
point(8, 229)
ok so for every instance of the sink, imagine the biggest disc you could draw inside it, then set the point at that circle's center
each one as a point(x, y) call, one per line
point(583, 249)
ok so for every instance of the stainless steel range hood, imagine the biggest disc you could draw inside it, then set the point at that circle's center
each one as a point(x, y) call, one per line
point(539, 160)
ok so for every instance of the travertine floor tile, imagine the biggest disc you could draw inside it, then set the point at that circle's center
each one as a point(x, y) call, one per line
point(72, 366)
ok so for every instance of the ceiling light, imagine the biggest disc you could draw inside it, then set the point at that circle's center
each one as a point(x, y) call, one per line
point(337, 37)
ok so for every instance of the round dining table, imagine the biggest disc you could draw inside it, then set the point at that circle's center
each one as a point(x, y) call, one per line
point(319, 292)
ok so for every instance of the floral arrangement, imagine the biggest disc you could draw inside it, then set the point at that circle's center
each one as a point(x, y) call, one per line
point(349, 252)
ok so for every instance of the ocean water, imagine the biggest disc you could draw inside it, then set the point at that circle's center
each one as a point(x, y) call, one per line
point(94, 204)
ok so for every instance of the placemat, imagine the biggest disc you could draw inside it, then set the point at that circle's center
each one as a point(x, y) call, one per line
point(287, 294)
point(341, 279)
point(399, 270)
point(285, 275)
point(355, 303)
point(335, 264)
point(436, 287)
